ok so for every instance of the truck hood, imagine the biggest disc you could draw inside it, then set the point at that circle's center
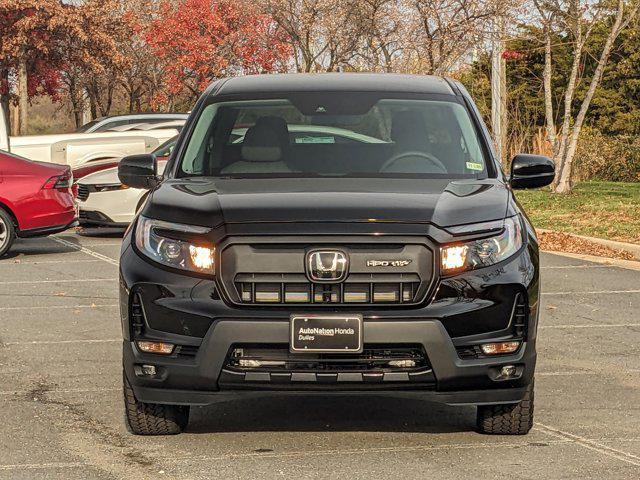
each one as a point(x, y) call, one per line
point(213, 202)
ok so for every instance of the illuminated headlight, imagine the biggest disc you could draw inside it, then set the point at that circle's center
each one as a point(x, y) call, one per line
point(484, 252)
point(175, 245)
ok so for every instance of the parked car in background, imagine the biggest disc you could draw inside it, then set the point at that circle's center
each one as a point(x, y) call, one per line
point(177, 124)
point(35, 199)
point(104, 201)
point(96, 166)
point(76, 149)
point(104, 124)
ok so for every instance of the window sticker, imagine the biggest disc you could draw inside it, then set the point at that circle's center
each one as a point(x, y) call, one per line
point(475, 166)
point(315, 140)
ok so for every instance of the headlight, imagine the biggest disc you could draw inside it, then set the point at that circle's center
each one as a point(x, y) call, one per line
point(173, 245)
point(485, 252)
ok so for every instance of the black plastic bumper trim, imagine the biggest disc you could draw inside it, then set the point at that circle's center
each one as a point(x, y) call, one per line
point(452, 374)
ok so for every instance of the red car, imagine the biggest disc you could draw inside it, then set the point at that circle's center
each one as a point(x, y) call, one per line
point(35, 199)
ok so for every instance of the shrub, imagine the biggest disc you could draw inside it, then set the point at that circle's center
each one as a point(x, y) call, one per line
point(611, 158)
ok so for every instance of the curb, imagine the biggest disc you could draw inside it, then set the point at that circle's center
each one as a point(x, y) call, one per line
point(630, 248)
point(613, 262)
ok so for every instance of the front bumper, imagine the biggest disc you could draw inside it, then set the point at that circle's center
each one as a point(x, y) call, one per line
point(457, 381)
point(470, 308)
point(110, 208)
point(91, 218)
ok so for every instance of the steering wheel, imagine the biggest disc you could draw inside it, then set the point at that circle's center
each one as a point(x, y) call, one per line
point(423, 155)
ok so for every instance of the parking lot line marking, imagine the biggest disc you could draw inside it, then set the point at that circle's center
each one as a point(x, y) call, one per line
point(105, 244)
point(591, 292)
point(563, 267)
point(567, 373)
point(45, 262)
point(351, 451)
point(86, 250)
point(42, 466)
point(7, 393)
point(66, 280)
point(590, 444)
point(60, 342)
point(45, 307)
point(593, 325)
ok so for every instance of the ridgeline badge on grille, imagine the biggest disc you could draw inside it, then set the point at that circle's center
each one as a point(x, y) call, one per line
point(327, 265)
point(388, 263)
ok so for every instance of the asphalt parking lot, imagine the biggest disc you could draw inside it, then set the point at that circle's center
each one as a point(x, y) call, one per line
point(62, 410)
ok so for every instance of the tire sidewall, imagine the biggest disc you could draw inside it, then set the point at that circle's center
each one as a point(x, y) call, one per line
point(6, 223)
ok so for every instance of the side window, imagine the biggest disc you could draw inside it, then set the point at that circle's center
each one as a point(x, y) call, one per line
point(115, 123)
point(197, 148)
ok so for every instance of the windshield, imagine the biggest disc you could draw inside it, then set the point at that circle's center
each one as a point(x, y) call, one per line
point(166, 148)
point(334, 135)
point(88, 125)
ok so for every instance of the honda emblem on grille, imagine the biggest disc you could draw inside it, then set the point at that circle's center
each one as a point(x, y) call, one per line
point(327, 265)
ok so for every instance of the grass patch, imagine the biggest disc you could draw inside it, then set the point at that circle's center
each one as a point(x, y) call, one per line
point(598, 209)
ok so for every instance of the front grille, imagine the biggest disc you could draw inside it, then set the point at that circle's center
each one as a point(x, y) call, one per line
point(137, 315)
point(310, 293)
point(470, 352)
point(519, 318)
point(272, 367)
point(372, 359)
point(83, 192)
point(272, 274)
point(186, 351)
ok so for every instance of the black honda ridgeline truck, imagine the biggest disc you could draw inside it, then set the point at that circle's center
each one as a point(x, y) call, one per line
point(333, 234)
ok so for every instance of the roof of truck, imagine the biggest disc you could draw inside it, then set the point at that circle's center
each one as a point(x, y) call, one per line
point(333, 82)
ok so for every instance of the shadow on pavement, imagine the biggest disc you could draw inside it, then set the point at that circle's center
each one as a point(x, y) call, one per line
point(332, 413)
point(102, 232)
point(34, 246)
point(48, 246)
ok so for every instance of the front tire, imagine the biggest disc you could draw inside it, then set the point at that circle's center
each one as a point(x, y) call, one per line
point(7, 232)
point(515, 419)
point(152, 418)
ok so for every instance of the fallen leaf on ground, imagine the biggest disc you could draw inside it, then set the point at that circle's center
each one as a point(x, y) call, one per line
point(562, 242)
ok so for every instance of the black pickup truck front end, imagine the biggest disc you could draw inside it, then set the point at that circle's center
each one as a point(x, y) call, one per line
point(462, 338)
point(347, 234)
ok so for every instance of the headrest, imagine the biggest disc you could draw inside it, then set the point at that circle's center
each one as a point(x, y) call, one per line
point(266, 141)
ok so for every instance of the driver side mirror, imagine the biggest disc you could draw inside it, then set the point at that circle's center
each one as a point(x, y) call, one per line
point(531, 171)
point(139, 171)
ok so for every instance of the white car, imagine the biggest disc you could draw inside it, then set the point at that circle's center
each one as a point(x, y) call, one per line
point(177, 124)
point(105, 202)
point(104, 124)
point(75, 149)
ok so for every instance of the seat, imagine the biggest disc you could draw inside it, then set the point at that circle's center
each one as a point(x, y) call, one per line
point(264, 149)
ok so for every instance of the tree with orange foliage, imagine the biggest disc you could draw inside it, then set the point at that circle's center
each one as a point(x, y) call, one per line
point(201, 40)
point(30, 33)
point(52, 42)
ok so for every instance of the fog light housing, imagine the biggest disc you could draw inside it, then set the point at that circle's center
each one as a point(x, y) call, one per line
point(160, 348)
point(148, 370)
point(499, 348)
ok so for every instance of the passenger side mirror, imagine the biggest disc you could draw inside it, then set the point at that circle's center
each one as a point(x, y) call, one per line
point(139, 171)
point(531, 171)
